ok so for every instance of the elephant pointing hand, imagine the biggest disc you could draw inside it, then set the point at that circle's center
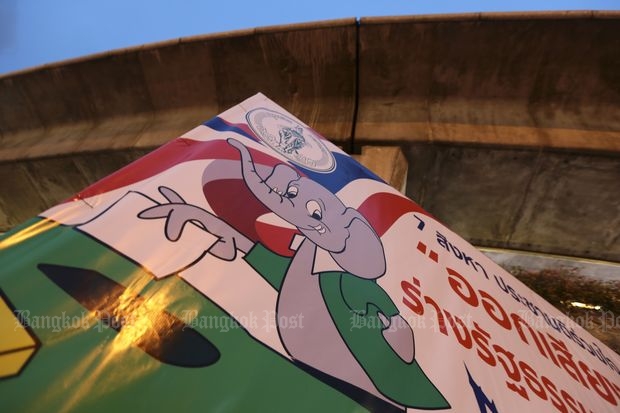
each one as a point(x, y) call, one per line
point(178, 213)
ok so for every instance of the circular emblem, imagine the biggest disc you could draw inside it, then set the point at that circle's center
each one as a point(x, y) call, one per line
point(291, 139)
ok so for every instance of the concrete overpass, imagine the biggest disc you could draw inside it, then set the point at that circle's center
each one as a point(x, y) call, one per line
point(510, 123)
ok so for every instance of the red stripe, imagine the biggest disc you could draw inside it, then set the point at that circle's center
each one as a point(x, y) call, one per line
point(232, 200)
point(175, 152)
point(383, 209)
point(277, 239)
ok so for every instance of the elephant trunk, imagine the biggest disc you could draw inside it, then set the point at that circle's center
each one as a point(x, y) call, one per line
point(254, 181)
point(363, 254)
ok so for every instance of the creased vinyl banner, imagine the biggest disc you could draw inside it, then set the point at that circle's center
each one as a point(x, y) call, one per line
point(250, 265)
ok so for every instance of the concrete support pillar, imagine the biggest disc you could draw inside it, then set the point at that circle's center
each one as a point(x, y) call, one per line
point(388, 162)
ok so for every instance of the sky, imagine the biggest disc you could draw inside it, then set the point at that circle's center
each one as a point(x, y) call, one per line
point(37, 32)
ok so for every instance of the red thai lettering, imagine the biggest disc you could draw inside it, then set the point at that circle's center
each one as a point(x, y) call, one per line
point(462, 288)
point(413, 296)
point(481, 338)
point(531, 379)
point(462, 334)
point(565, 358)
point(495, 310)
point(598, 384)
point(557, 402)
point(441, 322)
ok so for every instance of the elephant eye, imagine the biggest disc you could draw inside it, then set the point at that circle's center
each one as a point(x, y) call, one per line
point(314, 209)
point(291, 192)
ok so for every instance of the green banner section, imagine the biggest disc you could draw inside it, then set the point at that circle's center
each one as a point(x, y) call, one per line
point(97, 360)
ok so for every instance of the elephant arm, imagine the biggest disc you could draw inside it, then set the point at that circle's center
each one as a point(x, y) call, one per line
point(367, 298)
point(356, 307)
point(177, 213)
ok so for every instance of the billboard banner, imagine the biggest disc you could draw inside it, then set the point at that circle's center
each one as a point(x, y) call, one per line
point(251, 265)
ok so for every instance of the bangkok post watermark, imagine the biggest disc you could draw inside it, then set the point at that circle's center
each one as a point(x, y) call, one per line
point(270, 321)
point(266, 320)
point(359, 321)
point(603, 321)
point(56, 322)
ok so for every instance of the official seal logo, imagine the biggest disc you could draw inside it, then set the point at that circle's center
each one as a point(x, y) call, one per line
point(291, 139)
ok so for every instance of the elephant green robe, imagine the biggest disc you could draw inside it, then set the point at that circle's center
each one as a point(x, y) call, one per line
point(354, 304)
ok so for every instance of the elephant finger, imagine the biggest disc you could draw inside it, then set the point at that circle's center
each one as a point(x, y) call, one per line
point(399, 337)
point(175, 225)
point(224, 250)
point(157, 211)
point(171, 195)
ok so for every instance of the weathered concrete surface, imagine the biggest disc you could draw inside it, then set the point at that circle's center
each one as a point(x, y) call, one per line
point(549, 80)
point(29, 187)
point(510, 123)
point(146, 96)
point(534, 200)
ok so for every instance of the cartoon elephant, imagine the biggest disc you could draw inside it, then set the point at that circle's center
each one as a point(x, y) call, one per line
point(352, 330)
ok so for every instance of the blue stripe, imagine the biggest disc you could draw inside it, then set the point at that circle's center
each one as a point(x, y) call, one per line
point(347, 170)
point(221, 125)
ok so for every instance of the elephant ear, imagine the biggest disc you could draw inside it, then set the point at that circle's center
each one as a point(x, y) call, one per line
point(363, 254)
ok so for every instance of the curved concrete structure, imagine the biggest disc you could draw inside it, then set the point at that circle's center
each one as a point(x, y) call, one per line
point(510, 122)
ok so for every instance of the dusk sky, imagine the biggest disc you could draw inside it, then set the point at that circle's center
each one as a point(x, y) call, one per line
point(36, 32)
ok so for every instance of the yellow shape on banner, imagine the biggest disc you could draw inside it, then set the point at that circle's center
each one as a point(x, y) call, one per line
point(17, 344)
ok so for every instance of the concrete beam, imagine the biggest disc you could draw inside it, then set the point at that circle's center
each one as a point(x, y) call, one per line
point(143, 97)
point(539, 80)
